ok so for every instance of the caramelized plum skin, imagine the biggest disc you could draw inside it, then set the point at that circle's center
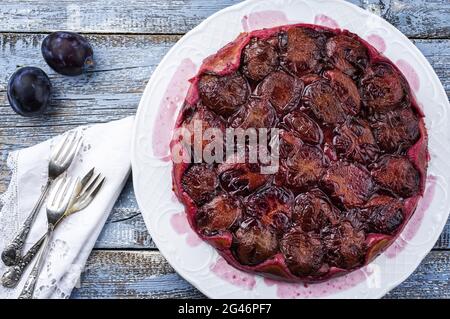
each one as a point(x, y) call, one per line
point(282, 90)
point(320, 98)
point(347, 54)
point(304, 127)
point(397, 174)
point(313, 211)
point(332, 99)
point(304, 167)
point(349, 184)
point(200, 189)
point(384, 214)
point(260, 58)
point(223, 95)
point(302, 50)
point(241, 178)
point(345, 246)
point(272, 206)
point(258, 113)
point(303, 252)
point(219, 214)
point(396, 130)
point(382, 87)
point(349, 131)
point(354, 140)
point(254, 243)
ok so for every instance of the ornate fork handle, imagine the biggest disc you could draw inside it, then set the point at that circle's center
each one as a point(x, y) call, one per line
point(12, 254)
point(30, 284)
point(12, 276)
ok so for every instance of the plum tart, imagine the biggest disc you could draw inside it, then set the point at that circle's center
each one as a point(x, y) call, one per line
point(352, 158)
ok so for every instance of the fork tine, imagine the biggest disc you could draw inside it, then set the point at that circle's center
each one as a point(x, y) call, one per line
point(94, 187)
point(61, 193)
point(86, 197)
point(63, 141)
point(55, 189)
point(71, 138)
point(70, 151)
point(87, 177)
point(98, 187)
point(75, 189)
point(92, 182)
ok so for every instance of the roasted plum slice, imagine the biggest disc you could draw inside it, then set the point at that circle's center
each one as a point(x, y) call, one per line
point(332, 99)
point(253, 243)
point(301, 164)
point(304, 167)
point(199, 119)
point(347, 54)
point(384, 214)
point(223, 94)
point(313, 211)
point(200, 190)
point(288, 144)
point(303, 126)
point(303, 252)
point(259, 58)
point(397, 130)
point(382, 88)
point(349, 183)
point(320, 98)
point(272, 206)
point(257, 113)
point(346, 91)
point(397, 174)
point(282, 90)
point(219, 214)
point(241, 178)
point(301, 50)
point(346, 246)
point(354, 140)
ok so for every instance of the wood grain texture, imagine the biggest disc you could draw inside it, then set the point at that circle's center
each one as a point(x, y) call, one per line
point(146, 274)
point(127, 274)
point(415, 18)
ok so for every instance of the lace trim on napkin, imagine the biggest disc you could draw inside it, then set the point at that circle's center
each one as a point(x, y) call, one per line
point(10, 220)
point(8, 201)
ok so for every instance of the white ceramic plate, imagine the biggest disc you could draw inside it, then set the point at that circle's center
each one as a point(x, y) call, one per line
point(199, 263)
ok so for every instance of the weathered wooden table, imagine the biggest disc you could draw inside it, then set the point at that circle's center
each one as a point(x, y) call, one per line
point(130, 38)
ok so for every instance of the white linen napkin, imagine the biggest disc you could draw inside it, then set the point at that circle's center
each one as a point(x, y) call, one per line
point(105, 147)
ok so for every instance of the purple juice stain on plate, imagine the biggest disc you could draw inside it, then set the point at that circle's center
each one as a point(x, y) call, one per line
point(315, 290)
point(263, 19)
point(172, 99)
point(181, 226)
point(377, 42)
point(323, 19)
point(230, 274)
point(414, 223)
point(410, 74)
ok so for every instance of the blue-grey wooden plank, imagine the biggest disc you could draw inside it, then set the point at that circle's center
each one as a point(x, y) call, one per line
point(415, 18)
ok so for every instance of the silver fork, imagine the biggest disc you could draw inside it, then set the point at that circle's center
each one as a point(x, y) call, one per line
point(89, 186)
point(61, 197)
point(61, 158)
